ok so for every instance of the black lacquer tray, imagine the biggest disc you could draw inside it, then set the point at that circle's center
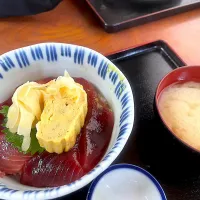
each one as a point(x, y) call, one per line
point(150, 146)
point(119, 14)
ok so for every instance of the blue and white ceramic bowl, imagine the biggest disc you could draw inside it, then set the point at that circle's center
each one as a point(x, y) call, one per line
point(51, 59)
point(125, 182)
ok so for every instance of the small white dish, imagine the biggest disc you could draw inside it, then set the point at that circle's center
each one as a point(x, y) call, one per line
point(127, 182)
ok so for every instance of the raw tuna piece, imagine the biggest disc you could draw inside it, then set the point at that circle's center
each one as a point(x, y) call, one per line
point(97, 131)
point(7, 102)
point(46, 80)
point(50, 169)
point(2, 174)
point(11, 161)
point(92, 94)
point(95, 138)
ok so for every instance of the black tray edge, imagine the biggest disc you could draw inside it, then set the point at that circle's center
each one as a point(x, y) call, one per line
point(112, 28)
point(161, 45)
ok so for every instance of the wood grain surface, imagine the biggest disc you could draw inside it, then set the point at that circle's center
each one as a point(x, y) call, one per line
point(73, 22)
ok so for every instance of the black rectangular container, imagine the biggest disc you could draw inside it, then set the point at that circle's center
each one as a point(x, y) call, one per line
point(115, 15)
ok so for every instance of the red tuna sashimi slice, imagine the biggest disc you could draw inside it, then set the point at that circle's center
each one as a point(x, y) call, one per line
point(95, 138)
point(11, 160)
point(51, 170)
point(2, 174)
point(46, 80)
point(92, 95)
point(97, 131)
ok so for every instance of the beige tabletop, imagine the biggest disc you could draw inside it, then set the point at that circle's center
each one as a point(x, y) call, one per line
point(73, 22)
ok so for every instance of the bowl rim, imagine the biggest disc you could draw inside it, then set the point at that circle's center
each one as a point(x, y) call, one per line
point(108, 158)
point(157, 102)
point(125, 166)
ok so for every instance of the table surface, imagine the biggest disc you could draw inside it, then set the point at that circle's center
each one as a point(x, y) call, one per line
point(73, 22)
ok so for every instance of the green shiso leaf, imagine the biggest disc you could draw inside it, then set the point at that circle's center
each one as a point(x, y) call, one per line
point(16, 140)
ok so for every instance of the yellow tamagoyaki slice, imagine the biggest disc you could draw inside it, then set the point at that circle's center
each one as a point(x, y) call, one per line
point(65, 109)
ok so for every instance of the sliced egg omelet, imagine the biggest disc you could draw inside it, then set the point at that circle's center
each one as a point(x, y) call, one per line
point(58, 110)
point(64, 113)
